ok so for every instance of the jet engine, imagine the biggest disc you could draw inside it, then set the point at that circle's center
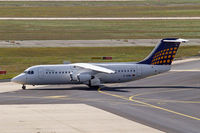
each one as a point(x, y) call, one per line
point(81, 77)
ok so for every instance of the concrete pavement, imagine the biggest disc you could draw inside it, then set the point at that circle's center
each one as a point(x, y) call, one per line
point(89, 43)
point(65, 118)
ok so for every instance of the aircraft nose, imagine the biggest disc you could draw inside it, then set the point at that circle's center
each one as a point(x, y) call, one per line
point(21, 79)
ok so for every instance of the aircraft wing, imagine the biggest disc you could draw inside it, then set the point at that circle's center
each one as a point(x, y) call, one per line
point(94, 67)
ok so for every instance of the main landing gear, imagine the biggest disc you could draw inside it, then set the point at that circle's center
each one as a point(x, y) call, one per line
point(93, 87)
point(24, 87)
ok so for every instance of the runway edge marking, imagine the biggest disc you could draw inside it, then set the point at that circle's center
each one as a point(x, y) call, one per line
point(147, 104)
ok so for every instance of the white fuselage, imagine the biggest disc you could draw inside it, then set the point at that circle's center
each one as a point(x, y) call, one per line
point(95, 74)
point(66, 73)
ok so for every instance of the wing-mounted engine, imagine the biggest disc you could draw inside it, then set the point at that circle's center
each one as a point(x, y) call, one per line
point(89, 78)
point(80, 77)
point(85, 78)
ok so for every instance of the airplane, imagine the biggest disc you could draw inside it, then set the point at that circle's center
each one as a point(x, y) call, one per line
point(96, 74)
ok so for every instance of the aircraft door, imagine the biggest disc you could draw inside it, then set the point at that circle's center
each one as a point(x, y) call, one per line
point(139, 70)
point(26, 77)
point(40, 73)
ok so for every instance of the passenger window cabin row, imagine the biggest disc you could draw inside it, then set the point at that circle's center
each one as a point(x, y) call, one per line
point(124, 71)
point(65, 72)
point(58, 72)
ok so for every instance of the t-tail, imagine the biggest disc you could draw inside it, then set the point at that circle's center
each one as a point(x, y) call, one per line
point(163, 53)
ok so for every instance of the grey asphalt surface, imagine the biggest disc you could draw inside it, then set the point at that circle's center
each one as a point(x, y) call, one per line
point(169, 102)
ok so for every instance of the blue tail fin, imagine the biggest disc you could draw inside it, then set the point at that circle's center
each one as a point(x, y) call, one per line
point(164, 53)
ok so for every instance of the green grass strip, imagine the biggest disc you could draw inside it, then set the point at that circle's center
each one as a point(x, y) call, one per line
point(16, 60)
point(92, 30)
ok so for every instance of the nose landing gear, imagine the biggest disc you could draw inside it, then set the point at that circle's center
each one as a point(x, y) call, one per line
point(24, 87)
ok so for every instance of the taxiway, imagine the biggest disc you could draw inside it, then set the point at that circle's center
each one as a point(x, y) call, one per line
point(168, 102)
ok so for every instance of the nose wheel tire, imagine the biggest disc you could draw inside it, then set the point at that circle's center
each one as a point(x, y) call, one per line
point(23, 87)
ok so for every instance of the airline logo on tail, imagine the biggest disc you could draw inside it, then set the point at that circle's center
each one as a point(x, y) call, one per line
point(165, 56)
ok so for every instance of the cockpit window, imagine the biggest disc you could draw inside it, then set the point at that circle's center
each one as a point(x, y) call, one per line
point(29, 72)
point(25, 71)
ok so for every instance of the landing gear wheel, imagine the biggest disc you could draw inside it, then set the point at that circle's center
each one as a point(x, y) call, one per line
point(24, 87)
point(93, 87)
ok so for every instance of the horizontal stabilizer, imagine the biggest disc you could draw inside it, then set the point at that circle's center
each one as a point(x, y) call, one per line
point(175, 40)
point(94, 67)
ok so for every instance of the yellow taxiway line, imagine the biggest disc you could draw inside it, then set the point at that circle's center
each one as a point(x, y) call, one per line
point(55, 97)
point(147, 104)
point(35, 97)
point(166, 101)
point(162, 100)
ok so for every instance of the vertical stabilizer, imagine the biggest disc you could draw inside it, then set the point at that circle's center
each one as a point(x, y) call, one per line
point(163, 53)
